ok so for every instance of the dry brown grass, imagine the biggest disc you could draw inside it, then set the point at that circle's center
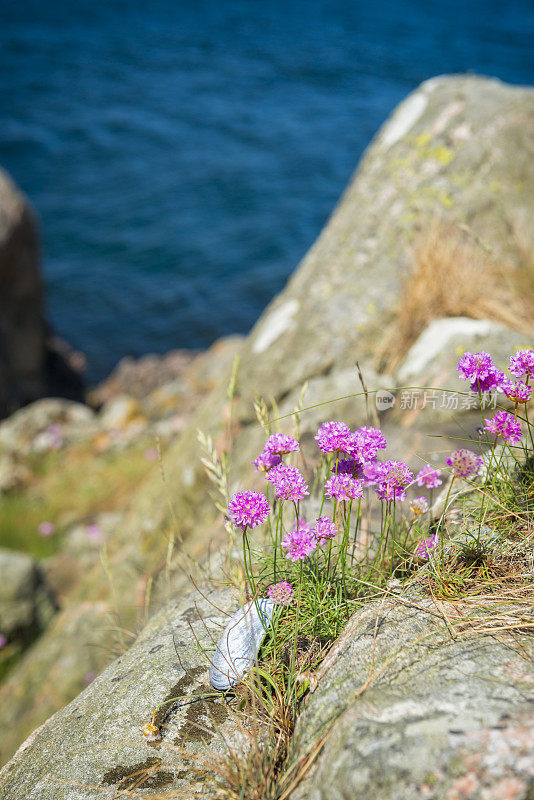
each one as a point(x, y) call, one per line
point(454, 275)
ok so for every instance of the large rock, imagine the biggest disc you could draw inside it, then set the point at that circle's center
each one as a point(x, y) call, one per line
point(458, 147)
point(29, 428)
point(33, 362)
point(22, 325)
point(93, 748)
point(411, 711)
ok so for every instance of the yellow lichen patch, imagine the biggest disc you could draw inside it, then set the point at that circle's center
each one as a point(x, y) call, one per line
point(441, 153)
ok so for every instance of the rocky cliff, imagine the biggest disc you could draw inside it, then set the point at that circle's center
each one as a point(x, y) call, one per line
point(23, 334)
point(33, 362)
point(455, 157)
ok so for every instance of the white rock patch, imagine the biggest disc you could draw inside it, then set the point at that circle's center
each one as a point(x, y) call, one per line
point(277, 322)
point(438, 338)
point(404, 119)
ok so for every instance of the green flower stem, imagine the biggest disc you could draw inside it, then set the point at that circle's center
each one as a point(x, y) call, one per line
point(330, 544)
point(393, 535)
point(248, 567)
point(324, 495)
point(345, 546)
point(356, 528)
point(296, 630)
point(278, 529)
point(529, 426)
point(441, 519)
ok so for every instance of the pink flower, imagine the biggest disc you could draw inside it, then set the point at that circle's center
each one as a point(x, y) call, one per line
point(365, 443)
point(464, 463)
point(372, 473)
point(419, 505)
point(280, 443)
point(266, 461)
point(394, 478)
point(299, 543)
point(55, 433)
point(288, 483)
point(522, 363)
point(89, 678)
point(151, 454)
point(504, 425)
point(3, 641)
point(94, 533)
point(517, 391)
point(480, 371)
point(425, 546)
point(248, 509)
point(281, 593)
point(325, 529)
point(333, 436)
point(429, 476)
point(46, 528)
point(343, 487)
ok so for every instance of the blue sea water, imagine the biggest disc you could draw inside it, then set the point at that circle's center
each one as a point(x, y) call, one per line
point(183, 154)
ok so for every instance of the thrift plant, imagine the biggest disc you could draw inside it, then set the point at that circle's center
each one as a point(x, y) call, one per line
point(364, 520)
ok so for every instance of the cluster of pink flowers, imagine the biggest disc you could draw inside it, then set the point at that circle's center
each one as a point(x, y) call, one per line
point(365, 443)
point(361, 445)
point(300, 542)
point(481, 372)
point(343, 487)
point(325, 530)
point(333, 437)
point(517, 391)
point(505, 426)
point(483, 375)
point(371, 473)
point(281, 593)
point(304, 539)
point(522, 363)
point(248, 509)
point(275, 447)
point(464, 463)
point(425, 546)
point(429, 476)
point(288, 483)
point(394, 478)
point(280, 444)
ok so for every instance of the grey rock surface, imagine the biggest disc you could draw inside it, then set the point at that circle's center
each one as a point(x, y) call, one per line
point(436, 156)
point(411, 712)
point(93, 748)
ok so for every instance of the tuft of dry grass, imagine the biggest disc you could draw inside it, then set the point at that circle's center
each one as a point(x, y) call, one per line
point(455, 275)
